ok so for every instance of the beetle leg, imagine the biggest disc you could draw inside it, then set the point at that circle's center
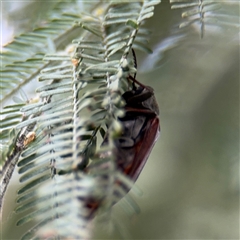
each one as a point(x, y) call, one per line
point(140, 98)
point(133, 111)
point(150, 89)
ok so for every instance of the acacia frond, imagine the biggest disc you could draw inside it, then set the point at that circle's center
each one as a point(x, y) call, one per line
point(22, 61)
point(22, 58)
point(81, 97)
point(10, 116)
point(204, 12)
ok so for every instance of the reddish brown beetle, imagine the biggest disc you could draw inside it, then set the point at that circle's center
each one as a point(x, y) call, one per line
point(141, 129)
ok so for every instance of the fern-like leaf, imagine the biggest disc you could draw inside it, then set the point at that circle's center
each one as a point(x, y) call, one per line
point(204, 12)
point(22, 61)
point(22, 58)
point(67, 175)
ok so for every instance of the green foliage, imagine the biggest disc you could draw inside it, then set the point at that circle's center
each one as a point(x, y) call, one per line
point(22, 58)
point(204, 13)
point(67, 176)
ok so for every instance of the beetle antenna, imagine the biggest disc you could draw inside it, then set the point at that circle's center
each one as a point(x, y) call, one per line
point(134, 80)
point(135, 65)
point(135, 61)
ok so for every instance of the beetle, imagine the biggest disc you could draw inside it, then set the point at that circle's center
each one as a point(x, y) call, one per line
point(141, 128)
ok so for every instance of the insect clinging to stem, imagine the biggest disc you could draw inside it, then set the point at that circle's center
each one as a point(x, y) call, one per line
point(140, 128)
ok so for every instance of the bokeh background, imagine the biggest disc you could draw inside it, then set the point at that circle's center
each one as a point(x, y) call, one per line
point(190, 183)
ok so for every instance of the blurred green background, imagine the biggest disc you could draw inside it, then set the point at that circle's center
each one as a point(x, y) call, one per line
point(190, 183)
